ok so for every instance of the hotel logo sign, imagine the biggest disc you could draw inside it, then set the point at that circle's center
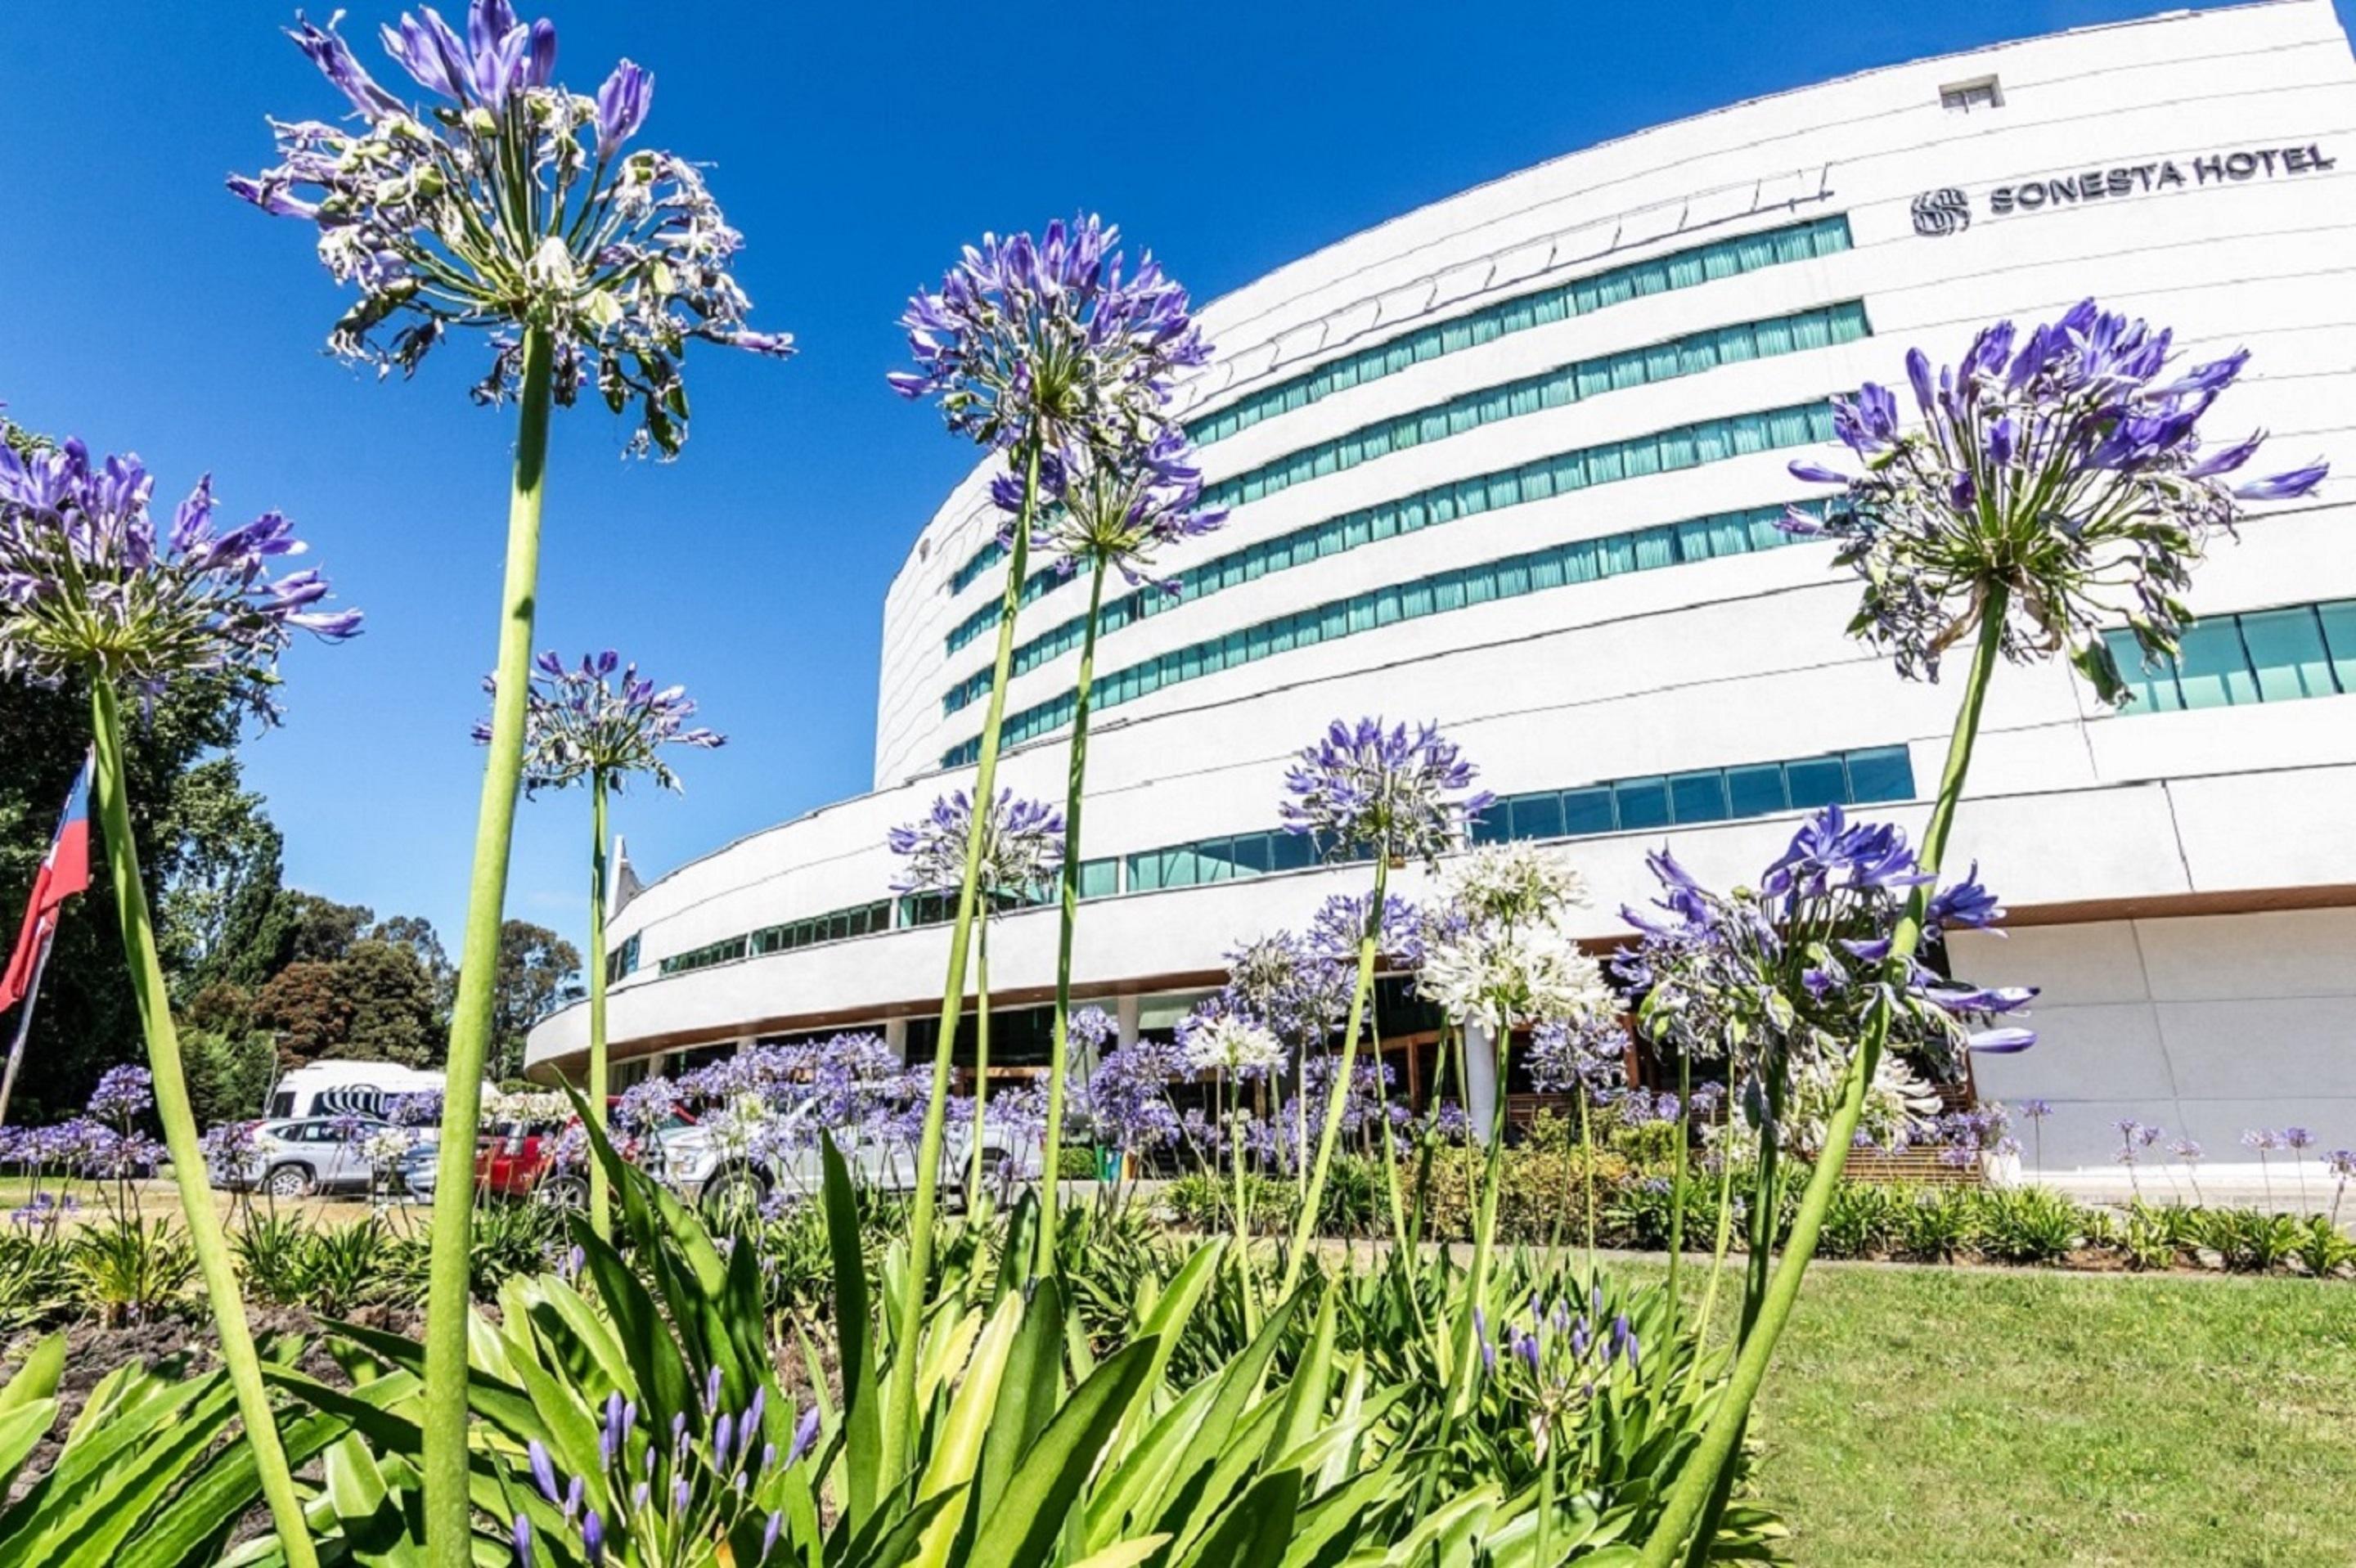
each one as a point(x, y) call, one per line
point(1948, 210)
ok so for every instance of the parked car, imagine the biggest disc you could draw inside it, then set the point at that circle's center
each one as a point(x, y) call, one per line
point(297, 1157)
point(697, 1164)
point(518, 1158)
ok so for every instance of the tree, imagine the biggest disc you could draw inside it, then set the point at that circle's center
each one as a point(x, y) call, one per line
point(304, 1007)
point(374, 1003)
point(395, 1013)
point(84, 1019)
point(538, 971)
point(228, 1075)
point(416, 934)
point(224, 874)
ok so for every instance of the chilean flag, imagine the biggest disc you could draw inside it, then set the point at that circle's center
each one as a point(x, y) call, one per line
point(64, 872)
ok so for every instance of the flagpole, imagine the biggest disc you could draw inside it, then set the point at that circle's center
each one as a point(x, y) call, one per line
point(24, 1019)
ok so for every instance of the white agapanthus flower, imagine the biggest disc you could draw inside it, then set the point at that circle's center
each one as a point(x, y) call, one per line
point(1522, 973)
point(1234, 1045)
point(1515, 884)
point(1898, 1107)
point(384, 1147)
point(740, 1128)
point(533, 1105)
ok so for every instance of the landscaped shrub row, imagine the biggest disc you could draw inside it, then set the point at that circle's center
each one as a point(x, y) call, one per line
point(1541, 1202)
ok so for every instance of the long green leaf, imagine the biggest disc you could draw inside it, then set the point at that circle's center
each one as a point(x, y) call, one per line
point(38, 1378)
point(1022, 1529)
point(187, 1530)
point(957, 1449)
point(1027, 1395)
point(854, 1346)
point(1254, 1532)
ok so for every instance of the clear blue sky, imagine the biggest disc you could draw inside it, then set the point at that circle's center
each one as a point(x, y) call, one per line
point(856, 147)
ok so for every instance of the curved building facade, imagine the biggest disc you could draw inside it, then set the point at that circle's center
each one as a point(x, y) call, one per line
point(1512, 462)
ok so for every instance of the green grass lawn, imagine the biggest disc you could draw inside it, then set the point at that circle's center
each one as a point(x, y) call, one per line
point(1919, 1417)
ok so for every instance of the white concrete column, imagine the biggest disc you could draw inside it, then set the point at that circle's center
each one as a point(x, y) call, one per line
point(895, 1035)
point(1480, 1077)
point(1125, 1010)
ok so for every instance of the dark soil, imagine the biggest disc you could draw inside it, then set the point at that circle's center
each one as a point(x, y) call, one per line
point(179, 1345)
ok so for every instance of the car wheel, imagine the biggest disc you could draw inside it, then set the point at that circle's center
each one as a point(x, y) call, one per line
point(997, 1173)
point(289, 1181)
point(570, 1193)
point(734, 1192)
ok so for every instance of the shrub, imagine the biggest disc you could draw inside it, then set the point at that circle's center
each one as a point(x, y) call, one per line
point(130, 1270)
point(2029, 1225)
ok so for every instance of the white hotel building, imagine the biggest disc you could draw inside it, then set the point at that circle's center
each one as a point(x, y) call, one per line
point(1510, 462)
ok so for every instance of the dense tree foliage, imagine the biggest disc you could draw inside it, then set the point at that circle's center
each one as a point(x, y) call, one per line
point(538, 971)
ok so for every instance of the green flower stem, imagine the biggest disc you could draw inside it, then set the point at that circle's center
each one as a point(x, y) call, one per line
point(189, 1171)
point(1587, 1164)
point(1427, 1149)
point(975, 1188)
point(1721, 1439)
point(1059, 1043)
point(448, 1513)
point(601, 1198)
point(1383, 1136)
point(1337, 1091)
point(1677, 1178)
point(1457, 1366)
point(908, 1323)
point(1484, 1233)
point(1724, 1238)
point(1766, 1216)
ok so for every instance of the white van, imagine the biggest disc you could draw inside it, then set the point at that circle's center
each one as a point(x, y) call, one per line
point(346, 1089)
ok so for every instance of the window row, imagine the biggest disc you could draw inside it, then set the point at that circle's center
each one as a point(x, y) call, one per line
point(1098, 879)
point(836, 925)
point(1840, 324)
point(1331, 536)
point(1709, 794)
point(1678, 270)
point(2258, 656)
point(1688, 356)
point(1685, 447)
point(623, 960)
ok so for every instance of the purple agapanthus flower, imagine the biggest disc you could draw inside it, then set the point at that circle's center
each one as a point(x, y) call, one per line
point(2066, 468)
point(1118, 509)
point(89, 583)
point(692, 1486)
point(507, 202)
point(123, 1094)
point(1782, 980)
point(1052, 344)
point(1397, 794)
point(1589, 1052)
point(1340, 924)
point(1021, 847)
point(600, 720)
point(1126, 1101)
point(1299, 993)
